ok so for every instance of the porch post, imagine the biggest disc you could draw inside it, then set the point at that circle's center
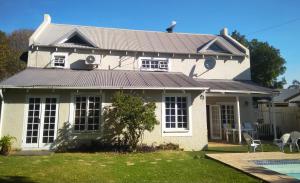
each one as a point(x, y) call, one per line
point(239, 118)
point(274, 118)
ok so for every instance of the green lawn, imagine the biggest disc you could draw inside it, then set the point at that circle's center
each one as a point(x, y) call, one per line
point(163, 166)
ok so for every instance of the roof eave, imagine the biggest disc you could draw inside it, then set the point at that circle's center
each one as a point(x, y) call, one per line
point(104, 88)
point(141, 51)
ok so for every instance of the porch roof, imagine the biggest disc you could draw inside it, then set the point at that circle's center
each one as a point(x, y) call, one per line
point(233, 86)
point(100, 79)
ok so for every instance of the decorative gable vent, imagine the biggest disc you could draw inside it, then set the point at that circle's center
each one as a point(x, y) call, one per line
point(74, 38)
point(77, 39)
point(215, 46)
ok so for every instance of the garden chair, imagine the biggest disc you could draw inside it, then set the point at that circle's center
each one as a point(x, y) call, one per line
point(226, 131)
point(284, 140)
point(251, 142)
point(295, 136)
point(249, 128)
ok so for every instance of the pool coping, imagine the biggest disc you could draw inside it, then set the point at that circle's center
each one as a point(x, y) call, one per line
point(243, 162)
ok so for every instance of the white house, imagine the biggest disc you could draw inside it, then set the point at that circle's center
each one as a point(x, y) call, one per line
point(198, 81)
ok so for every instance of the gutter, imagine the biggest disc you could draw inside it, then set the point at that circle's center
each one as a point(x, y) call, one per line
point(108, 88)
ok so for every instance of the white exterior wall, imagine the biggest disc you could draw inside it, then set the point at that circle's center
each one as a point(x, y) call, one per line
point(226, 68)
point(15, 102)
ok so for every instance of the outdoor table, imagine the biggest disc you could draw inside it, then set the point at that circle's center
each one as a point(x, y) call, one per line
point(231, 131)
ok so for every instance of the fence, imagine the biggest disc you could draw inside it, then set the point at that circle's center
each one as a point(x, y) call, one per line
point(287, 120)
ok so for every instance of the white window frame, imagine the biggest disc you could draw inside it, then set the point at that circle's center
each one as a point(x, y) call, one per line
point(177, 131)
point(234, 111)
point(59, 54)
point(153, 59)
point(72, 107)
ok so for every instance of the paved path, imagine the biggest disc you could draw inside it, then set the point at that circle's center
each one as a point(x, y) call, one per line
point(242, 161)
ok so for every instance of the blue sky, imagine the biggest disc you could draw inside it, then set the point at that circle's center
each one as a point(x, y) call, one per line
point(248, 17)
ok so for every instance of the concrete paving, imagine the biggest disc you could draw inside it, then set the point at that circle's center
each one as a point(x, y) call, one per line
point(243, 162)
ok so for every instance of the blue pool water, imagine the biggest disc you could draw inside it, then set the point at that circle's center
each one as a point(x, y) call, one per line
point(287, 167)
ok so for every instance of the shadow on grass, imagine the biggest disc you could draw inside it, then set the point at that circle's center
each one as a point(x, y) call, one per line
point(16, 179)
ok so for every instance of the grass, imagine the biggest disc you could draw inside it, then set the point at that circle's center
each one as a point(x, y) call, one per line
point(163, 166)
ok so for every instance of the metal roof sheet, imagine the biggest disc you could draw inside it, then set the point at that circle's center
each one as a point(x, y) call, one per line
point(133, 40)
point(102, 79)
point(236, 86)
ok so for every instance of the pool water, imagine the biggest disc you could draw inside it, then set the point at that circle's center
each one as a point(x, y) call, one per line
point(287, 167)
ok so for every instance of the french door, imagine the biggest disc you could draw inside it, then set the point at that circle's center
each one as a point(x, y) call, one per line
point(227, 115)
point(215, 122)
point(41, 122)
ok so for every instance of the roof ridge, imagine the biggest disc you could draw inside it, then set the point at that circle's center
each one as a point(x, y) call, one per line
point(215, 35)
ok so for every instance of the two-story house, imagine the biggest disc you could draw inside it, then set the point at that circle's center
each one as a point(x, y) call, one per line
point(199, 82)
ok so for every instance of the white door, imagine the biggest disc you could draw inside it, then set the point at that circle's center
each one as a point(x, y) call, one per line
point(215, 122)
point(41, 122)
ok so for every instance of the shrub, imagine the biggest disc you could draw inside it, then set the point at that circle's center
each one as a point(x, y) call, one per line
point(5, 144)
point(126, 120)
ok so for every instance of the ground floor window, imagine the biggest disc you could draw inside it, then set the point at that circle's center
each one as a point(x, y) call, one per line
point(227, 115)
point(176, 112)
point(87, 113)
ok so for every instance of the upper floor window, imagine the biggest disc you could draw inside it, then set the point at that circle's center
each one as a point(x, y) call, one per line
point(154, 64)
point(59, 60)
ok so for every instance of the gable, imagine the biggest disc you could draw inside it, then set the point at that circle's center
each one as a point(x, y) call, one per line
point(216, 48)
point(75, 38)
point(217, 45)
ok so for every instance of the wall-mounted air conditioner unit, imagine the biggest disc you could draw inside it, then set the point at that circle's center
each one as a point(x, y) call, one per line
point(93, 60)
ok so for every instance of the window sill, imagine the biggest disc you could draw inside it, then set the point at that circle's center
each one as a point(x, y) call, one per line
point(86, 132)
point(170, 133)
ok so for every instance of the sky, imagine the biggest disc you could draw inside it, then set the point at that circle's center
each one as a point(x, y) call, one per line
point(274, 21)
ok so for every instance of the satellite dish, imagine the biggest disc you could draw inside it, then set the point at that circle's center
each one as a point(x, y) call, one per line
point(210, 63)
point(90, 59)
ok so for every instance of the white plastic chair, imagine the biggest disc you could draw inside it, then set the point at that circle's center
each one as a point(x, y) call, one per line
point(284, 140)
point(252, 143)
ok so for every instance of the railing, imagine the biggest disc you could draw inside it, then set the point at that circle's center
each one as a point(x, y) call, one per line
point(266, 131)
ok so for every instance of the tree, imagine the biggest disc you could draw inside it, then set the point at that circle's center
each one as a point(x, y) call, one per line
point(266, 62)
point(11, 48)
point(18, 39)
point(126, 120)
point(295, 84)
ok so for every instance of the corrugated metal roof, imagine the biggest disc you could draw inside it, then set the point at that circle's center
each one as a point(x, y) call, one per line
point(102, 79)
point(296, 99)
point(285, 95)
point(236, 86)
point(117, 79)
point(133, 40)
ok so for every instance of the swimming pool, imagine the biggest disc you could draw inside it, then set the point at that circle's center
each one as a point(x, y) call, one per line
point(288, 167)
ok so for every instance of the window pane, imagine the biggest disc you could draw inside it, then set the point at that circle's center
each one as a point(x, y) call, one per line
point(156, 65)
point(87, 113)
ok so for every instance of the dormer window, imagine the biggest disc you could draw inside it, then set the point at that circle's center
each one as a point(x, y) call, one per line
point(59, 60)
point(154, 64)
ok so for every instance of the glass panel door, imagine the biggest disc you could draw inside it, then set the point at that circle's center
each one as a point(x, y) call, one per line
point(227, 115)
point(215, 122)
point(49, 121)
point(41, 122)
point(33, 122)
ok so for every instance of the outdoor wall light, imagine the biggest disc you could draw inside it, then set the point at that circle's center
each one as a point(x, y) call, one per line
point(201, 96)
